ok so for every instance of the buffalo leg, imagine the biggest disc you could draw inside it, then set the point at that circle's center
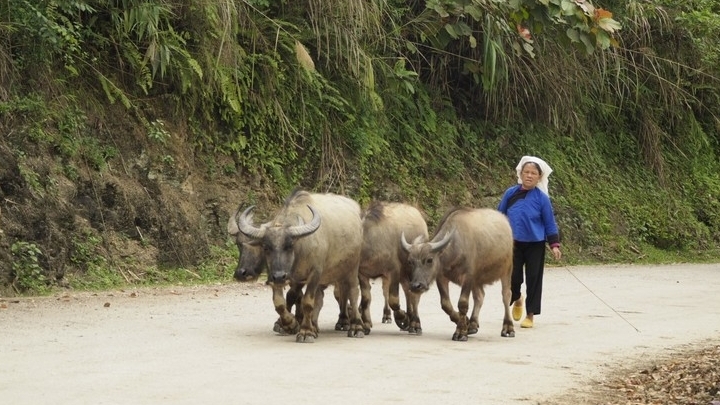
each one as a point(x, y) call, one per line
point(352, 293)
point(308, 332)
point(319, 300)
point(343, 323)
point(446, 304)
point(365, 299)
point(461, 331)
point(401, 317)
point(508, 329)
point(413, 302)
point(478, 294)
point(292, 298)
point(287, 322)
point(386, 295)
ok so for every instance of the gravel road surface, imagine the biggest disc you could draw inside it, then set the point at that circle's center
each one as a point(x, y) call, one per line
point(215, 345)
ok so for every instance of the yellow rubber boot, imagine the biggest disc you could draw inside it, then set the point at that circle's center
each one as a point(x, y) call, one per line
point(517, 309)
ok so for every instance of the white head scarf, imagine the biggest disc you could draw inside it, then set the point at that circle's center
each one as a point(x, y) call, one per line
point(546, 170)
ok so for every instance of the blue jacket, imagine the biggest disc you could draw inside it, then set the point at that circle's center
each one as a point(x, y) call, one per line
point(531, 218)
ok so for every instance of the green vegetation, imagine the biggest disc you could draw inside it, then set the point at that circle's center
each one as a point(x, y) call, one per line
point(109, 106)
point(29, 274)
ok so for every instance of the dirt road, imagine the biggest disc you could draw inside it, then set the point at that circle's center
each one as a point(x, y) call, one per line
point(215, 345)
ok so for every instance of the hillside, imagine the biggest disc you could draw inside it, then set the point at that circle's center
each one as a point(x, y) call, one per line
point(133, 130)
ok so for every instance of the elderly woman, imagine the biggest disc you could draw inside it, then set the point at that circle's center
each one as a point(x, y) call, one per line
point(532, 219)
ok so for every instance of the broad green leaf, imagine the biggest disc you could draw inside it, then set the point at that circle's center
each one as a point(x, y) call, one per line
point(517, 48)
point(573, 35)
point(441, 11)
point(586, 7)
point(474, 11)
point(609, 25)
point(471, 66)
point(411, 47)
point(603, 39)
point(568, 7)
point(462, 29)
point(529, 49)
point(451, 30)
point(585, 38)
point(473, 42)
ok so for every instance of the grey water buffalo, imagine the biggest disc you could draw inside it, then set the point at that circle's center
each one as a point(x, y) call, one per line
point(251, 262)
point(383, 257)
point(472, 248)
point(313, 241)
point(251, 265)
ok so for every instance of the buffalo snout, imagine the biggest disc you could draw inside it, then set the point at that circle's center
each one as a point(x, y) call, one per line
point(278, 277)
point(245, 274)
point(418, 287)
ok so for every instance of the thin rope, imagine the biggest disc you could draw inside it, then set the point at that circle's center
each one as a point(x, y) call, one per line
point(603, 301)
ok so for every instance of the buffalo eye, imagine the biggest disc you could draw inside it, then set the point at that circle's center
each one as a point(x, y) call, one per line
point(427, 261)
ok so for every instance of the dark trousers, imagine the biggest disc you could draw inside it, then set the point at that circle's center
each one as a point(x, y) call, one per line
point(530, 257)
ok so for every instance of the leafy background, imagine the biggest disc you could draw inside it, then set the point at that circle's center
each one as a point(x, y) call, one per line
point(132, 130)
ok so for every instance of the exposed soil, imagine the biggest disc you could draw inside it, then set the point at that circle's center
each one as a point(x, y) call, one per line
point(153, 204)
point(607, 335)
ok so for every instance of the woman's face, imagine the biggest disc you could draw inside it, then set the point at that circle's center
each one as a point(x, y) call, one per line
point(530, 175)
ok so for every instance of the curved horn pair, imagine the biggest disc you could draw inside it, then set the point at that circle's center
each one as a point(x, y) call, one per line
point(434, 246)
point(246, 226)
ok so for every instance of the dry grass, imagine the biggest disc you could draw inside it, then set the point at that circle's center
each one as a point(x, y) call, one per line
point(690, 376)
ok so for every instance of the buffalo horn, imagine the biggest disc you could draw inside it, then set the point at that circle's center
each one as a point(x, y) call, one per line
point(435, 246)
point(232, 226)
point(244, 223)
point(405, 244)
point(305, 229)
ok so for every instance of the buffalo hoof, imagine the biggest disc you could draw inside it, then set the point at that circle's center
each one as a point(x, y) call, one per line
point(472, 331)
point(277, 328)
point(286, 330)
point(402, 320)
point(300, 338)
point(387, 319)
point(507, 333)
point(415, 331)
point(459, 338)
point(341, 326)
point(356, 334)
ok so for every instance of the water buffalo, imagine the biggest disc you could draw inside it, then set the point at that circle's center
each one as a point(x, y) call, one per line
point(252, 260)
point(313, 241)
point(383, 256)
point(252, 263)
point(472, 248)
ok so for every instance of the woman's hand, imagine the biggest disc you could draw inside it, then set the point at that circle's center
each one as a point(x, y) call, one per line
point(557, 253)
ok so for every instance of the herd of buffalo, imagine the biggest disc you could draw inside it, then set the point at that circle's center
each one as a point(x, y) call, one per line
point(316, 240)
